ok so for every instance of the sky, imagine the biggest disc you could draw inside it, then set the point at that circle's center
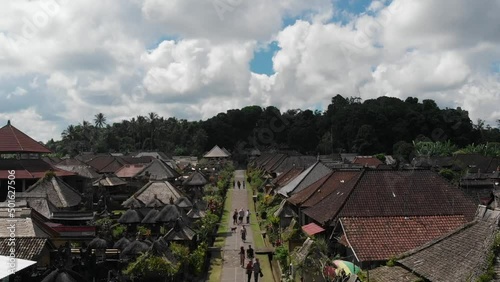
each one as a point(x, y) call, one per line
point(62, 62)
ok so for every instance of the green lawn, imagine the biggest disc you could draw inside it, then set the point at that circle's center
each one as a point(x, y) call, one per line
point(257, 237)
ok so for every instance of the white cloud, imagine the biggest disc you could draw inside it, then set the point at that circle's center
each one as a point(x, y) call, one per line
point(32, 123)
point(19, 91)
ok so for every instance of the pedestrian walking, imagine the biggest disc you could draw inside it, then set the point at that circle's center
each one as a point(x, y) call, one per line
point(247, 215)
point(241, 214)
point(243, 233)
point(242, 256)
point(257, 272)
point(235, 217)
point(249, 269)
point(250, 252)
point(239, 184)
point(243, 184)
point(234, 184)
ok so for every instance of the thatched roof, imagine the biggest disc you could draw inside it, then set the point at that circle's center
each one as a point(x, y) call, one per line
point(132, 203)
point(183, 202)
point(60, 194)
point(109, 180)
point(180, 232)
point(159, 247)
point(163, 190)
point(170, 213)
point(98, 243)
point(63, 275)
point(159, 170)
point(131, 216)
point(82, 170)
point(195, 179)
point(216, 152)
point(150, 217)
point(155, 203)
point(134, 248)
point(196, 213)
point(122, 243)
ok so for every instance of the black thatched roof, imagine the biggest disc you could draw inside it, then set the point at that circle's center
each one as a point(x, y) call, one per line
point(196, 213)
point(195, 179)
point(98, 243)
point(131, 216)
point(169, 213)
point(159, 170)
point(134, 248)
point(63, 275)
point(180, 232)
point(150, 217)
point(122, 243)
point(159, 247)
point(183, 202)
point(162, 190)
point(133, 203)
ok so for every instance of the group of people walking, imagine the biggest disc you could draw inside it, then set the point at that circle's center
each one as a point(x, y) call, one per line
point(239, 184)
point(252, 266)
point(239, 215)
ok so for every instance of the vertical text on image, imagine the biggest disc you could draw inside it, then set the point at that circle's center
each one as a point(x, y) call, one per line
point(11, 204)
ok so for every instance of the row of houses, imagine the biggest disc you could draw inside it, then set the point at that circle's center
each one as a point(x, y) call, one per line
point(58, 199)
point(371, 213)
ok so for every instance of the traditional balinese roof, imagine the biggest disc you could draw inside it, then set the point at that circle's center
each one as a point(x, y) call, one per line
point(109, 180)
point(159, 170)
point(150, 217)
point(131, 216)
point(12, 140)
point(134, 248)
point(106, 163)
point(154, 155)
point(216, 152)
point(163, 190)
point(130, 170)
point(63, 275)
point(195, 179)
point(59, 194)
point(29, 248)
point(183, 202)
point(133, 203)
point(180, 232)
point(38, 202)
point(169, 213)
point(367, 161)
point(98, 243)
point(285, 177)
point(29, 169)
point(291, 162)
point(160, 248)
point(155, 203)
point(459, 256)
point(307, 177)
point(380, 238)
point(320, 189)
point(393, 193)
point(81, 170)
point(51, 160)
point(284, 210)
point(71, 162)
point(195, 213)
point(29, 223)
point(122, 243)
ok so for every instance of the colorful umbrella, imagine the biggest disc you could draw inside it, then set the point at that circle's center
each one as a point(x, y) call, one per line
point(347, 266)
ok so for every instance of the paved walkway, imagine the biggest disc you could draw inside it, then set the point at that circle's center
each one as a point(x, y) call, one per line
point(231, 269)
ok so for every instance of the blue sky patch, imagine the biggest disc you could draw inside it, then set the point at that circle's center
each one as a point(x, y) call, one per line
point(262, 62)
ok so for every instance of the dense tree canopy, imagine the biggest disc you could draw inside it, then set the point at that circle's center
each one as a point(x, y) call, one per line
point(383, 125)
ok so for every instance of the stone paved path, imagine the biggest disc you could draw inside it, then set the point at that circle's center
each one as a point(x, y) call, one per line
point(231, 270)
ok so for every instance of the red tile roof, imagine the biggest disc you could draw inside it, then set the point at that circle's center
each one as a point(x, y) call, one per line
point(312, 228)
point(129, 171)
point(380, 238)
point(12, 140)
point(367, 161)
point(29, 169)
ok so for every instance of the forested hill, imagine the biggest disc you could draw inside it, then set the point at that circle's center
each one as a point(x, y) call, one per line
point(348, 125)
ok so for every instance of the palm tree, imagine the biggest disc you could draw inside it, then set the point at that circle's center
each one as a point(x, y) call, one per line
point(99, 120)
point(152, 117)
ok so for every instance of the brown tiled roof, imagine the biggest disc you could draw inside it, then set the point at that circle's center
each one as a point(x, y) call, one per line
point(130, 170)
point(473, 162)
point(330, 206)
point(322, 188)
point(28, 248)
point(275, 161)
point(380, 238)
point(286, 176)
point(106, 164)
point(460, 256)
point(307, 177)
point(406, 193)
point(368, 161)
point(394, 273)
point(13, 140)
point(29, 169)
